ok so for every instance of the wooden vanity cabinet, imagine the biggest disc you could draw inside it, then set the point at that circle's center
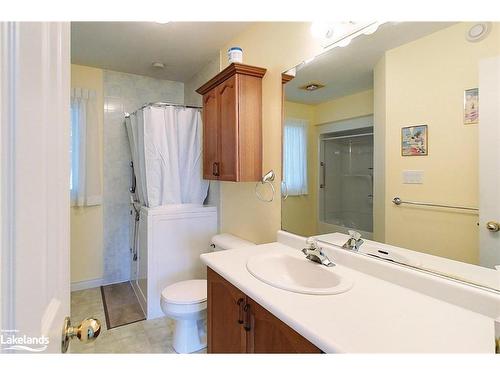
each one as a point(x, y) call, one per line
point(225, 304)
point(232, 124)
point(238, 324)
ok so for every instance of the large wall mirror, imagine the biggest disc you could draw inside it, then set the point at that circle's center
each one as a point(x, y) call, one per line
point(396, 136)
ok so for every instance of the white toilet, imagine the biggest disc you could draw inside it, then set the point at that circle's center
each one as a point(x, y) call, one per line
point(186, 302)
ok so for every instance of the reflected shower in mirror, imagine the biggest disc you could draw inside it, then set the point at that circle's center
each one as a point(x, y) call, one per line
point(394, 136)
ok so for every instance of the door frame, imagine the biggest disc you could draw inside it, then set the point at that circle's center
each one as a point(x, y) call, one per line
point(8, 54)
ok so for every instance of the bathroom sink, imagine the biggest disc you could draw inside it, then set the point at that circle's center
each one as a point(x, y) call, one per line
point(297, 274)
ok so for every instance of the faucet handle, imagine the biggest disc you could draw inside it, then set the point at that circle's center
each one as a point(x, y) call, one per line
point(311, 243)
point(354, 234)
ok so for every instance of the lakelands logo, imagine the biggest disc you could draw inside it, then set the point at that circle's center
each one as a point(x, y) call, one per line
point(11, 341)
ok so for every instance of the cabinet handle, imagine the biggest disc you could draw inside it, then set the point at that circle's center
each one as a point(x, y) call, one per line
point(215, 169)
point(240, 310)
point(246, 324)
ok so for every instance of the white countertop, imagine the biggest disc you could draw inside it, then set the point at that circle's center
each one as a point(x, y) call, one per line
point(375, 316)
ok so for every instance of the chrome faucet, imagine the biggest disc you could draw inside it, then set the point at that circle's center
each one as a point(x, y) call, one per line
point(315, 254)
point(354, 242)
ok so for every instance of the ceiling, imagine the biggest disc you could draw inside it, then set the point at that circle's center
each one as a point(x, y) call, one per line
point(132, 47)
point(347, 70)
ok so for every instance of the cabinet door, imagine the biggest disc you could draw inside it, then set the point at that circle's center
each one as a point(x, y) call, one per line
point(268, 334)
point(225, 316)
point(228, 129)
point(210, 135)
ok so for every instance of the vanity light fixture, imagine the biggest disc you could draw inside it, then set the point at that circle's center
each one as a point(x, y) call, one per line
point(341, 34)
point(312, 86)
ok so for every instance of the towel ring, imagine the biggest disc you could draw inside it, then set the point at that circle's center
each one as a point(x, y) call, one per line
point(260, 196)
point(268, 178)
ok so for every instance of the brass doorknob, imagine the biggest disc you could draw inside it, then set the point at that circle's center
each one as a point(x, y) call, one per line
point(86, 332)
point(493, 226)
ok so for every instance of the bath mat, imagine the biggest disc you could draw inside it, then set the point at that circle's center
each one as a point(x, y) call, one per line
point(121, 306)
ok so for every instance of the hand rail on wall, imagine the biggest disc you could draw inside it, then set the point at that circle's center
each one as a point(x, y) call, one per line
point(398, 201)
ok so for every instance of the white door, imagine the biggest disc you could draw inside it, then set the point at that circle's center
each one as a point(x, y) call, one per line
point(34, 258)
point(489, 161)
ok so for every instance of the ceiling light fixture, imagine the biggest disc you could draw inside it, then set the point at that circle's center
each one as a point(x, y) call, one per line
point(312, 86)
point(158, 65)
point(478, 32)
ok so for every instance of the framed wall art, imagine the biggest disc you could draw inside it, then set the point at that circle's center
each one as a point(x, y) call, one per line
point(471, 106)
point(414, 141)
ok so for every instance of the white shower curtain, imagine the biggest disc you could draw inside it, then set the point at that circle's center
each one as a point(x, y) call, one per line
point(166, 147)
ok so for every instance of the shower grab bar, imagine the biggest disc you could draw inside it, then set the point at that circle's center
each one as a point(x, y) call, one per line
point(346, 136)
point(398, 201)
point(161, 104)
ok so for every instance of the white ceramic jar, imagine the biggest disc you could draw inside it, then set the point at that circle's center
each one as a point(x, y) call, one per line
point(235, 55)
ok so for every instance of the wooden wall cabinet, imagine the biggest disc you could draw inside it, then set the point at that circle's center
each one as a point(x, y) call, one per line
point(237, 324)
point(232, 124)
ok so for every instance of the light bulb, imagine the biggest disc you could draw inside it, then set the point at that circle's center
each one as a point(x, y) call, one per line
point(321, 29)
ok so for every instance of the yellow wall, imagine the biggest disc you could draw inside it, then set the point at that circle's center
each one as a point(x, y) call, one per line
point(424, 84)
point(86, 222)
point(276, 46)
point(346, 107)
point(299, 213)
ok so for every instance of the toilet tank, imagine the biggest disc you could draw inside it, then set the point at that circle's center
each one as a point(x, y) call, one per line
point(226, 241)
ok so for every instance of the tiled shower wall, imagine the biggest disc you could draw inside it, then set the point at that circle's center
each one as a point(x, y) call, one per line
point(124, 93)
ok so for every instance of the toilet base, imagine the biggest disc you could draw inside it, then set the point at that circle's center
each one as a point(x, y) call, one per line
point(189, 335)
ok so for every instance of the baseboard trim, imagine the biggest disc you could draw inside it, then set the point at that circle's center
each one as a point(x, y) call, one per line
point(86, 284)
point(93, 283)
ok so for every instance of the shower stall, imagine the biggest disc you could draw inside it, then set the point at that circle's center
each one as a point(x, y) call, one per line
point(169, 225)
point(346, 181)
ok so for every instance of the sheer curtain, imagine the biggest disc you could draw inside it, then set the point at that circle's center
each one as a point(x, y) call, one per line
point(295, 156)
point(85, 149)
point(166, 145)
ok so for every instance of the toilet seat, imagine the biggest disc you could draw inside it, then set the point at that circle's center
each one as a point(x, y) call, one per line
point(188, 292)
point(186, 303)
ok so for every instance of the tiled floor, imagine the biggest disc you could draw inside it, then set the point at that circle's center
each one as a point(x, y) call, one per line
point(147, 336)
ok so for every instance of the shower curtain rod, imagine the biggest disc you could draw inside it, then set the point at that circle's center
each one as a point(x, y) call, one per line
point(161, 104)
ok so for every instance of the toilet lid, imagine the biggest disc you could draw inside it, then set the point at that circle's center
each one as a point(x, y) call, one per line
point(186, 292)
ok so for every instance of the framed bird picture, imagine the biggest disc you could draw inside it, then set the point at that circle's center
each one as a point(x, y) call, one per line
point(414, 141)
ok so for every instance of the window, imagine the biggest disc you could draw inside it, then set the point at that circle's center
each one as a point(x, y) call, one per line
point(295, 156)
point(85, 176)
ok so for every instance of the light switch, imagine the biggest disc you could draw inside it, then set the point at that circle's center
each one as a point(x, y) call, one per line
point(413, 177)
